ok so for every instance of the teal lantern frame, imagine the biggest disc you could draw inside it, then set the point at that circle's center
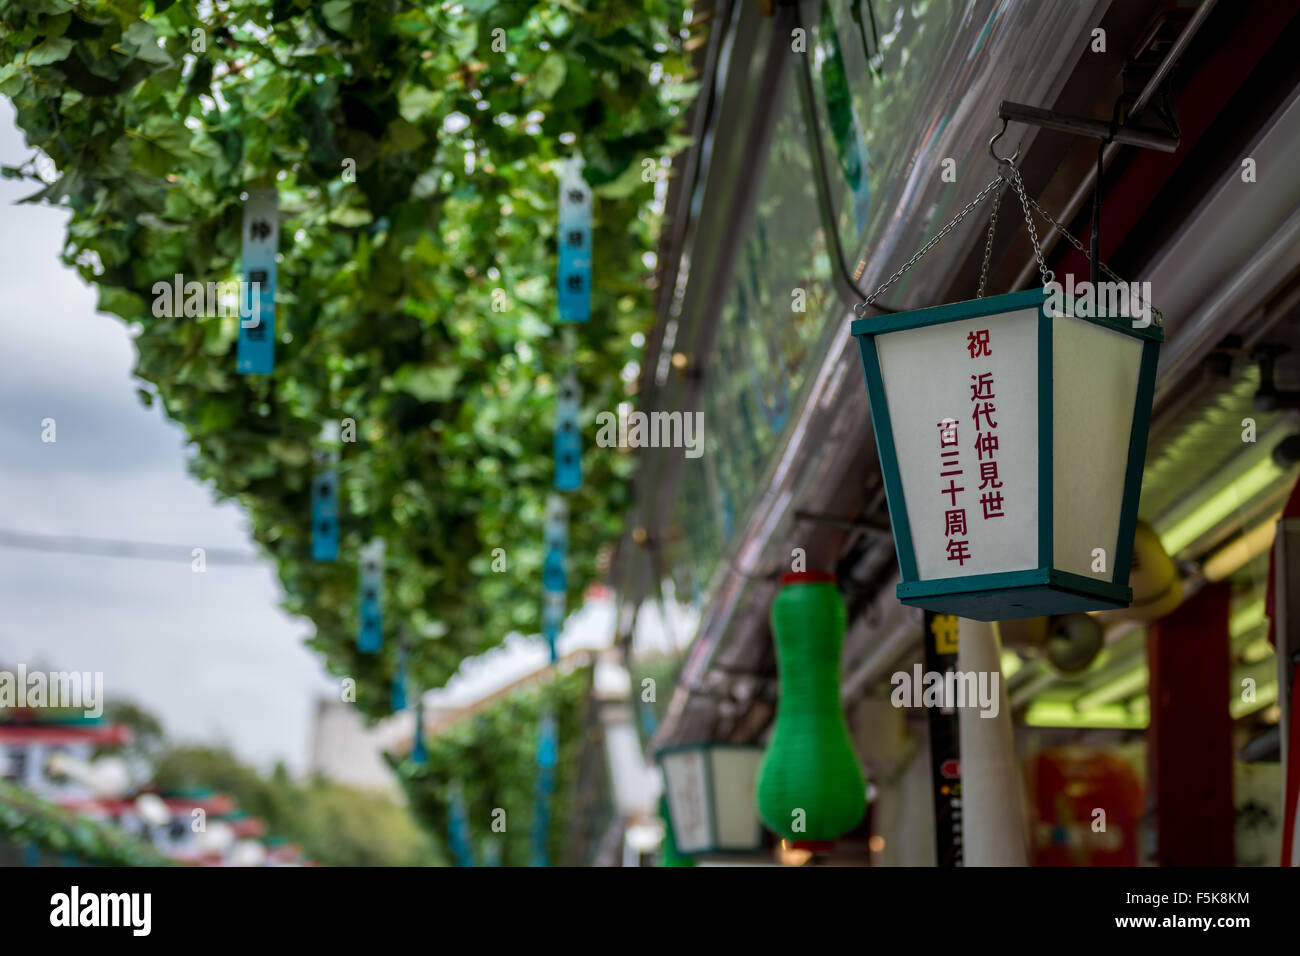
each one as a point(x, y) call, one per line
point(715, 845)
point(1046, 588)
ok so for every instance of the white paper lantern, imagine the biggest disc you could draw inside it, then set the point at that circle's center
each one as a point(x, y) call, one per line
point(1011, 432)
point(710, 794)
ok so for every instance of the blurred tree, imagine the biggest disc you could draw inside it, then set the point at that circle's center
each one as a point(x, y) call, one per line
point(413, 147)
point(491, 759)
point(335, 825)
point(147, 737)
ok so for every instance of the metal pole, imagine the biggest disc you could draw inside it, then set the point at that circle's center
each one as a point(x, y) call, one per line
point(1085, 187)
point(993, 812)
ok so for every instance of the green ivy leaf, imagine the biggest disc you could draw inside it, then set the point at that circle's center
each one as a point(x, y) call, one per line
point(338, 14)
point(627, 183)
point(550, 77)
point(143, 41)
point(430, 383)
point(51, 51)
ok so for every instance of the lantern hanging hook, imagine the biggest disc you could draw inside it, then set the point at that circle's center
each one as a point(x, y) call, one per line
point(997, 136)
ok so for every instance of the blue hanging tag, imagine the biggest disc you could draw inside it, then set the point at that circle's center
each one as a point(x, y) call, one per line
point(555, 533)
point(575, 243)
point(555, 578)
point(261, 242)
point(419, 754)
point(397, 693)
point(553, 620)
point(325, 497)
point(568, 440)
point(547, 753)
point(546, 742)
point(370, 634)
point(458, 829)
point(325, 516)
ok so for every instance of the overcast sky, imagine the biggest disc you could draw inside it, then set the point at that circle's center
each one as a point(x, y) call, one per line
point(211, 654)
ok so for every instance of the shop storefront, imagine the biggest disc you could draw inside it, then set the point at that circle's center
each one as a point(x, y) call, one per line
point(833, 141)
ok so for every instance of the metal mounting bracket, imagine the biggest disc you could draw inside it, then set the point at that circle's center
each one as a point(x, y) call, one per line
point(1082, 126)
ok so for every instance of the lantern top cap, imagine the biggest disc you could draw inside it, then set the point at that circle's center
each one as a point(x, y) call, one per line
point(807, 577)
point(1043, 298)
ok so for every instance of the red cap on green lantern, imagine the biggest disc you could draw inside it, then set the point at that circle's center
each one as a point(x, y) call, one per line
point(807, 577)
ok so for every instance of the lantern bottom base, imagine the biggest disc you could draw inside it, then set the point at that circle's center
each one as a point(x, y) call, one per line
point(1008, 595)
point(813, 846)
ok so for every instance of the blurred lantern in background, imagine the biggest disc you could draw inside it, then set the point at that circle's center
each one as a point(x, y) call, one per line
point(105, 777)
point(669, 854)
point(153, 810)
point(1073, 789)
point(216, 838)
point(810, 788)
point(708, 791)
point(1157, 586)
point(1032, 418)
point(248, 853)
point(1074, 642)
point(1071, 642)
point(640, 841)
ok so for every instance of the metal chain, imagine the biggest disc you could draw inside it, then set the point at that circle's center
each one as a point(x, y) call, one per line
point(1159, 317)
point(1026, 202)
point(1048, 274)
point(952, 223)
point(988, 243)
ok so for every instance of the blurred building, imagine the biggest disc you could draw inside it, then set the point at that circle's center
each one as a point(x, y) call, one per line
point(52, 762)
point(28, 741)
point(344, 750)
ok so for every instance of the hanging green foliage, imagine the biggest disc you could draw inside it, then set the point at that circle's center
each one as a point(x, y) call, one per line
point(414, 149)
point(492, 758)
point(26, 820)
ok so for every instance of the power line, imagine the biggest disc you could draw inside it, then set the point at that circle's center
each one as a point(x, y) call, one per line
point(110, 548)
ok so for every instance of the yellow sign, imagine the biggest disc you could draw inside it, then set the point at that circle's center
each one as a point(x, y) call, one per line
point(944, 628)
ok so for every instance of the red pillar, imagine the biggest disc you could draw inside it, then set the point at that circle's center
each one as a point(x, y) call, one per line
point(1189, 741)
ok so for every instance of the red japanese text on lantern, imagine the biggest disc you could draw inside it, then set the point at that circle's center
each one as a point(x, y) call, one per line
point(954, 518)
point(986, 438)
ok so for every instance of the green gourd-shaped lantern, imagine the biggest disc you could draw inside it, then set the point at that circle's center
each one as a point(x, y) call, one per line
point(670, 855)
point(810, 788)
